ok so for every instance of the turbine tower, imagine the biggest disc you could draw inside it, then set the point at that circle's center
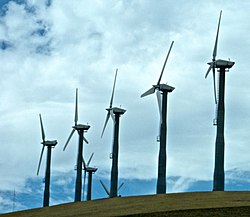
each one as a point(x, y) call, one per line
point(162, 91)
point(115, 113)
point(90, 171)
point(50, 145)
point(222, 66)
point(80, 128)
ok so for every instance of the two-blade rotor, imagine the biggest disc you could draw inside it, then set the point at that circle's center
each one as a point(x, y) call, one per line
point(43, 143)
point(213, 63)
point(152, 89)
point(110, 111)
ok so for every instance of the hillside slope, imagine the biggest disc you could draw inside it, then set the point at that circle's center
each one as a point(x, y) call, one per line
point(180, 204)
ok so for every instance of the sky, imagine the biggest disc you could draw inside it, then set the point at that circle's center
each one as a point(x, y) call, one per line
point(48, 48)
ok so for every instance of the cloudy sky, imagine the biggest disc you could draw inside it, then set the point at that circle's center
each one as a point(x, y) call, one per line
point(50, 47)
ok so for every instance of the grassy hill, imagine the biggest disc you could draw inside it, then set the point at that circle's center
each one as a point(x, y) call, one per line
point(180, 204)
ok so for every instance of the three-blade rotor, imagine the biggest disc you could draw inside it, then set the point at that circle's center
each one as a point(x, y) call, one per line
point(75, 120)
point(157, 86)
point(85, 167)
point(213, 63)
point(110, 111)
point(152, 89)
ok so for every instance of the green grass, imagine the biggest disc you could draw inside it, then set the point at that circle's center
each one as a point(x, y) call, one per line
point(181, 204)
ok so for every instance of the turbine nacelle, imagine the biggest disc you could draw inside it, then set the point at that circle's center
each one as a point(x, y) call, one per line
point(160, 87)
point(221, 64)
point(81, 127)
point(91, 169)
point(164, 87)
point(51, 143)
point(118, 111)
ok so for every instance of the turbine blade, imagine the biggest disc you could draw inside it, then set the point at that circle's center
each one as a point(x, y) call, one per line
point(159, 100)
point(71, 134)
point(105, 188)
point(112, 115)
point(216, 40)
point(165, 63)
point(76, 108)
point(84, 164)
point(209, 69)
point(90, 159)
point(120, 186)
point(85, 140)
point(84, 182)
point(215, 95)
point(148, 92)
point(113, 91)
point(40, 160)
point(105, 124)
point(42, 129)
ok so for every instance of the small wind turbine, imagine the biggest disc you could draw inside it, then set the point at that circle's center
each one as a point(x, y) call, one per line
point(162, 91)
point(50, 145)
point(115, 113)
point(222, 66)
point(90, 171)
point(80, 128)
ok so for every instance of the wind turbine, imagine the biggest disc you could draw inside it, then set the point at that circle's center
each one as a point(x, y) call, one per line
point(90, 171)
point(162, 91)
point(50, 144)
point(80, 128)
point(115, 113)
point(222, 66)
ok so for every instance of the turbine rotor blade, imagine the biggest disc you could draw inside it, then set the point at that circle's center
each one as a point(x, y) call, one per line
point(120, 186)
point(76, 107)
point(105, 188)
point(85, 140)
point(40, 160)
point(42, 129)
point(113, 91)
point(71, 134)
point(84, 164)
point(159, 100)
point(215, 95)
point(105, 124)
point(209, 69)
point(148, 92)
point(165, 63)
point(90, 159)
point(112, 115)
point(216, 40)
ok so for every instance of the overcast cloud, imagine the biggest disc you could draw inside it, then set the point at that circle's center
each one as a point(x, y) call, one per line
point(49, 48)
